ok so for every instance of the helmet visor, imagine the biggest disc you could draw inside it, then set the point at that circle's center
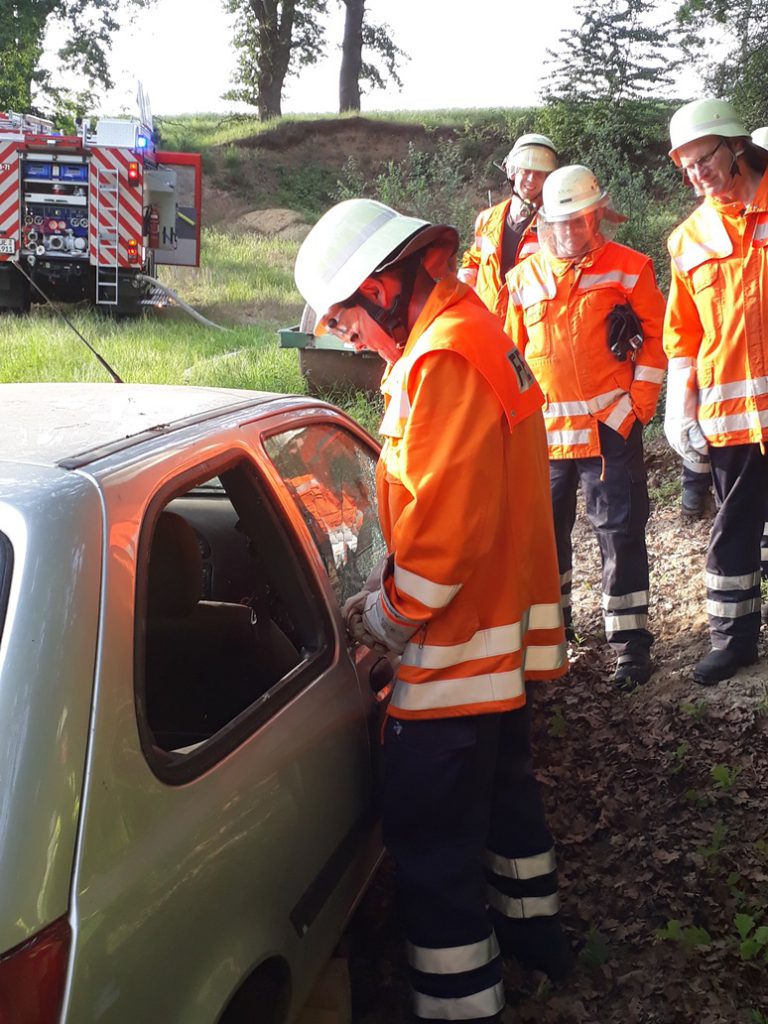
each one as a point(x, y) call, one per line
point(571, 235)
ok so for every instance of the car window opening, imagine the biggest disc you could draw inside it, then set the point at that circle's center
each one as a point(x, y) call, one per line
point(332, 478)
point(226, 620)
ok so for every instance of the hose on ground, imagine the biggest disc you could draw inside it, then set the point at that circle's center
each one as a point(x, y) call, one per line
point(181, 303)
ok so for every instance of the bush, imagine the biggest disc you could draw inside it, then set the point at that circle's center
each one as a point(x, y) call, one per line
point(435, 186)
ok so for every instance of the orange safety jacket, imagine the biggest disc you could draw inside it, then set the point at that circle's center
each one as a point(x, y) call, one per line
point(464, 504)
point(481, 264)
point(558, 318)
point(717, 315)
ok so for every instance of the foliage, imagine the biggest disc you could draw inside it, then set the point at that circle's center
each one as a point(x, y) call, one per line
point(428, 185)
point(620, 51)
point(741, 72)
point(754, 941)
point(725, 777)
point(87, 27)
point(690, 937)
point(274, 40)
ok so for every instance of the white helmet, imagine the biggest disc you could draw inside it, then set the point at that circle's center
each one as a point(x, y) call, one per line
point(569, 191)
point(760, 137)
point(700, 118)
point(350, 242)
point(531, 152)
point(568, 194)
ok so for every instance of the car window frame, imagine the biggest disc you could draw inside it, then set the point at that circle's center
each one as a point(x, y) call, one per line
point(6, 575)
point(185, 768)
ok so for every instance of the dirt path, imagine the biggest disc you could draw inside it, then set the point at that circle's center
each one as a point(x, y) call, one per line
point(659, 803)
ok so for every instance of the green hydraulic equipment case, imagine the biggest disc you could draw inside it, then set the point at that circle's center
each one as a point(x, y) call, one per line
point(328, 364)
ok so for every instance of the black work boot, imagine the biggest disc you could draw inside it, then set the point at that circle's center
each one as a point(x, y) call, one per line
point(633, 669)
point(722, 664)
point(693, 504)
point(538, 944)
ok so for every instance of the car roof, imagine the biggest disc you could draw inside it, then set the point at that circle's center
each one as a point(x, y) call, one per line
point(63, 424)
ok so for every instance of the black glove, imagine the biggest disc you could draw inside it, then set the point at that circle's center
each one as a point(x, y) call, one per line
point(625, 332)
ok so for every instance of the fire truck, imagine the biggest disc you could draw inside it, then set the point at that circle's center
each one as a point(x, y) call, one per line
point(89, 216)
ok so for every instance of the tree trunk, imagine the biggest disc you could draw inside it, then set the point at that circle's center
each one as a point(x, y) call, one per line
point(275, 30)
point(351, 56)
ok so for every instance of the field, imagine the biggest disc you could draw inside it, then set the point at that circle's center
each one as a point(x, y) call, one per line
point(658, 800)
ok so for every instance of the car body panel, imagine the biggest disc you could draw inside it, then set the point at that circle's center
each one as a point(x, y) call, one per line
point(47, 656)
point(164, 872)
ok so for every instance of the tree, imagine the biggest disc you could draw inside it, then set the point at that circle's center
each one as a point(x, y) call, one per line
point(275, 38)
point(741, 73)
point(87, 27)
point(360, 33)
point(621, 51)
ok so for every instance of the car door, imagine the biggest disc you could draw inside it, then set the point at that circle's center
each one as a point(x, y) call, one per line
point(227, 826)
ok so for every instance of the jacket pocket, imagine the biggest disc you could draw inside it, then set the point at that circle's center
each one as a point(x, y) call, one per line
point(707, 294)
point(537, 328)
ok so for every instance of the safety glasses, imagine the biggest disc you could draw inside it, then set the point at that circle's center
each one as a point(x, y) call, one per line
point(702, 164)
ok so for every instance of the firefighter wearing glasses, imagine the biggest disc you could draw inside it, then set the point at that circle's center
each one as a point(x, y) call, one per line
point(468, 600)
point(587, 315)
point(506, 233)
point(715, 337)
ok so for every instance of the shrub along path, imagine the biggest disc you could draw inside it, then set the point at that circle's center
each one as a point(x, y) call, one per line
point(658, 801)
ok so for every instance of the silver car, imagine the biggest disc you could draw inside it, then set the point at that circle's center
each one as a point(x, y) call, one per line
point(188, 744)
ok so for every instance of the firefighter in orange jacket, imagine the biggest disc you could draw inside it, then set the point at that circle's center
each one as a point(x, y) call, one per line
point(587, 315)
point(506, 233)
point(468, 600)
point(715, 337)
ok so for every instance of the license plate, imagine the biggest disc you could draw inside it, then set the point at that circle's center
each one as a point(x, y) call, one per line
point(7, 246)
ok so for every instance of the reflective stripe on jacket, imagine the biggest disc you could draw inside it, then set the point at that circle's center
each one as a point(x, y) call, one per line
point(557, 316)
point(481, 264)
point(464, 505)
point(717, 315)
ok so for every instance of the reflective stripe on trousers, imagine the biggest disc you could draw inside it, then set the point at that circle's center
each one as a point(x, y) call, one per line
point(616, 497)
point(459, 793)
point(740, 477)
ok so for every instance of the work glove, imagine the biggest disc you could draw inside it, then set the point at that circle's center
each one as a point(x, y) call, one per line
point(680, 420)
point(366, 621)
point(625, 332)
point(352, 609)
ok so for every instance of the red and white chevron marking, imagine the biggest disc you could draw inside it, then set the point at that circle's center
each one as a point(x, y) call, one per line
point(130, 209)
point(10, 201)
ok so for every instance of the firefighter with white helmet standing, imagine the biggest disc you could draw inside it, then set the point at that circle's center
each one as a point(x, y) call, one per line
point(506, 233)
point(715, 337)
point(587, 314)
point(468, 600)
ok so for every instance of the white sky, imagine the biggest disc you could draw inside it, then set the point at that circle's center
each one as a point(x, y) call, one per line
point(488, 53)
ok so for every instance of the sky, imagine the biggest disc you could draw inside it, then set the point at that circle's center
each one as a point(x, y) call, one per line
point(488, 53)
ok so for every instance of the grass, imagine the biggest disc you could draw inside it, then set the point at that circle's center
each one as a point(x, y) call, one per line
point(243, 278)
point(245, 284)
point(195, 133)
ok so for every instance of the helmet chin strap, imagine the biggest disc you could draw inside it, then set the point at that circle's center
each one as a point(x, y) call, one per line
point(527, 208)
point(393, 319)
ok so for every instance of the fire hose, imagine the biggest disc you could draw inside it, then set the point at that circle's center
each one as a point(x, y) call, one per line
point(180, 302)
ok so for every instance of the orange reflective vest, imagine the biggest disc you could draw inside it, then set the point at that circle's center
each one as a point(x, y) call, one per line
point(557, 316)
point(464, 504)
point(481, 264)
point(717, 315)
